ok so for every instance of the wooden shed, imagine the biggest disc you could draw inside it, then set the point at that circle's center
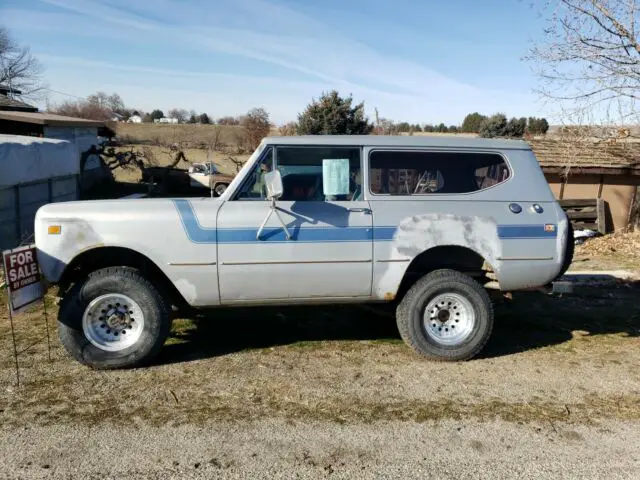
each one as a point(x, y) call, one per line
point(590, 170)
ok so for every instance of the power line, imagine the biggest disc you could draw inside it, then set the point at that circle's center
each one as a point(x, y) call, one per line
point(63, 93)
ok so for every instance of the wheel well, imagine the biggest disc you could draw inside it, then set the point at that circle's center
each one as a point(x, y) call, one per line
point(452, 257)
point(97, 258)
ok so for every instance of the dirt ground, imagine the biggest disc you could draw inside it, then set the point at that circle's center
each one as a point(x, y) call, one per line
point(332, 391)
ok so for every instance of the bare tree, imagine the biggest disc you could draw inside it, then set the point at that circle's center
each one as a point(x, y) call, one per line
point(18, 68)
point(179, 113)
point(239, 139)
point(257, 125)
point(238, 163)
point(589, 58)
point(115, 103)
point(215, 140)
point(288, 129)
point(83, 109)
point(100, 99)
point(98, 106)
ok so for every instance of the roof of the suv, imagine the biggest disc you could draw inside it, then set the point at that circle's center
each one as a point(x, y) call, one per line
point(400, 141)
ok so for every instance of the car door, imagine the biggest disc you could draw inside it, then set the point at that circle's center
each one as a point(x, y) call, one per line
point(329, 254)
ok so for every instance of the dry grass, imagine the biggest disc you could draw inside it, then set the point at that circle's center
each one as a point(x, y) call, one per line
point(549, 360)
point(196, 136)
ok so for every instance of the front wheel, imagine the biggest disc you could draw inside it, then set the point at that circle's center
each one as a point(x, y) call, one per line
point(114, 319)
point(446, 316)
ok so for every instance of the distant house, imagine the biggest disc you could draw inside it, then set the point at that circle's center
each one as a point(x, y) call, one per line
point(166, 120)
point(135, 119)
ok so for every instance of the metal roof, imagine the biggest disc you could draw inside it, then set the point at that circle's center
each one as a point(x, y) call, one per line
point(43, 118)
point(401, 141)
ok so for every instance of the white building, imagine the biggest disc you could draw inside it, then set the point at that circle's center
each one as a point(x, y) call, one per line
point(135, 119)
point(165, 120)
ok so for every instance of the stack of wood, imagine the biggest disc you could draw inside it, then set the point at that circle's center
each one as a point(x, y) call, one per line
point(585, 214)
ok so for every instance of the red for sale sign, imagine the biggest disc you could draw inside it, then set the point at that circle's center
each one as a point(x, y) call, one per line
point(23, 277)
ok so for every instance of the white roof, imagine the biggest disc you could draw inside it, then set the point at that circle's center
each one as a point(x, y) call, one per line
point(27, 159)
point(443, 141)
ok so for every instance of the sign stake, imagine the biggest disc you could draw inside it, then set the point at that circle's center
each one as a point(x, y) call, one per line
point(46, 322)
point(13, 336)
point(24, 287)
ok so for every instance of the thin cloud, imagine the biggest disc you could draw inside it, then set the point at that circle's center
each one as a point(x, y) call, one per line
point(263, 37)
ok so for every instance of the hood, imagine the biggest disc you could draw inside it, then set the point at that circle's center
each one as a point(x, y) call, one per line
point(116, 209)
point(146, 226)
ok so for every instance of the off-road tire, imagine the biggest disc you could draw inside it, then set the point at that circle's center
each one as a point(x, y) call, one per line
point(409, 315)
point(123, 280)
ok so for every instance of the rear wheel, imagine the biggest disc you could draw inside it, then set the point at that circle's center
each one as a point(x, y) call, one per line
point(114, 319)
point(446, 316)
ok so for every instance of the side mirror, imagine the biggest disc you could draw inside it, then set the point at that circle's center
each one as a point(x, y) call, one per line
point(273, 184)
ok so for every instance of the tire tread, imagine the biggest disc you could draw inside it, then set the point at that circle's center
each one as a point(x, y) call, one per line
point(405, 321)
point(71, 311)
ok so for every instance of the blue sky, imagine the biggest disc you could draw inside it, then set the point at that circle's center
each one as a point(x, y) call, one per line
point(419, 61)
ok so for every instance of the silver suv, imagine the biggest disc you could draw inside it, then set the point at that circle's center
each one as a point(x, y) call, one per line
point(429, 223)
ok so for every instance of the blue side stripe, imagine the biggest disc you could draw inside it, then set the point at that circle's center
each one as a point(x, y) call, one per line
point(383, 234)
point(196, 232)
point(521, 232)
point(199, 234)
point(300, 235)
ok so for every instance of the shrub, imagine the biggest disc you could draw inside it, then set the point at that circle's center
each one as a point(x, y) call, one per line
point(493, 126)
point(333, 115)
point(472, 123)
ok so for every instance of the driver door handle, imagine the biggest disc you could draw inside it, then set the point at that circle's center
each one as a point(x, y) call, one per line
point(359, 209)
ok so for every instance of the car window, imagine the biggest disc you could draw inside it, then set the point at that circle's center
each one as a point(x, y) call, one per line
point(253, 187)
point(422, 173)
point(302, 173)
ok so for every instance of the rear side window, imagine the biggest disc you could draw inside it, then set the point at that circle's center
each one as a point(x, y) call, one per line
point(421, 173)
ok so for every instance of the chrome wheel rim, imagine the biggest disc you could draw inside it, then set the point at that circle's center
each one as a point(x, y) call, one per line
point(113, 322)
point(220, 189)
point(449, 319)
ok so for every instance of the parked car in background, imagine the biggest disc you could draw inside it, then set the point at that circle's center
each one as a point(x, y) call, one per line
point(208, 176)
point(430, 223)
point(197, 176)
